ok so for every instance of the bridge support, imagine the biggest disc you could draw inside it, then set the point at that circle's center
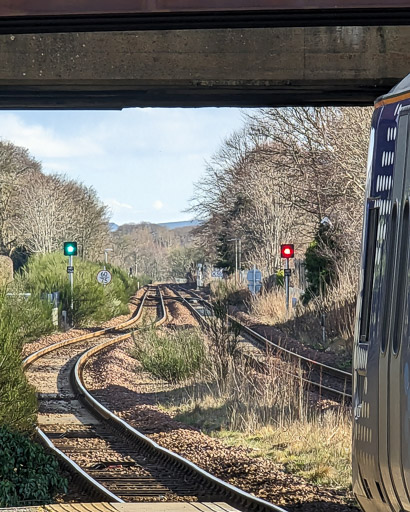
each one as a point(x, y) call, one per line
point(219, 67)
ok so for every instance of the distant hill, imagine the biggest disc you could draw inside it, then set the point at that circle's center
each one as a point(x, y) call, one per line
point(113, 227)
point(147, 248)
point(181, 224)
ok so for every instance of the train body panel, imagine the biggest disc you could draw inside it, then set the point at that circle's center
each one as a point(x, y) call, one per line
point(381, 431)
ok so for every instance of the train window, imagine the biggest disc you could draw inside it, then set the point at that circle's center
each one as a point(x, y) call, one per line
point(401, 280)
point(391, 243)
point(373, 222)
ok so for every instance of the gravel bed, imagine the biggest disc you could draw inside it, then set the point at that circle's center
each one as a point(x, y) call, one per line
point(283, 340)
point(116, 378)
point(49, 339)
point(178, 314)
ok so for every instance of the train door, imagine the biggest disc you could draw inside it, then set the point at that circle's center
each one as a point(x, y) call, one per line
point(393, 441)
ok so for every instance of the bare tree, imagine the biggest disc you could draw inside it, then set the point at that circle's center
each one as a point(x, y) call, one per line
point(278, 177)
point(15, 164)
point(53, 208)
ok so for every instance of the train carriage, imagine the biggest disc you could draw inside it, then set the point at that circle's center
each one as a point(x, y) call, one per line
point(381, 398)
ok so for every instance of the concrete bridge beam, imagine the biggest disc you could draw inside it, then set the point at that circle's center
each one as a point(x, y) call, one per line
point(219, 67)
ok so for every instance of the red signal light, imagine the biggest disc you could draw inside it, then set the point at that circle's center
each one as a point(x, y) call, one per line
point(287, 251)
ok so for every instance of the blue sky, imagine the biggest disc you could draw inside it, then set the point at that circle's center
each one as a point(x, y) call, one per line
point(142, 162)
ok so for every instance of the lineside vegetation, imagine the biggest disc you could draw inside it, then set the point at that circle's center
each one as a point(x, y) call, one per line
point(270, 412)
point(38, 213)
point(170, 354)
point(93, 302)
point(28, 476)
point(291, 175)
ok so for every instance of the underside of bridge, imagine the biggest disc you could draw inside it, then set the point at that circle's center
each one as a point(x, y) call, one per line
point(247, 67)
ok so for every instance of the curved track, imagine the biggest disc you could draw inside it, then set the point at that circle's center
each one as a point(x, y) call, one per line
point(324, 378)
point(114, 461)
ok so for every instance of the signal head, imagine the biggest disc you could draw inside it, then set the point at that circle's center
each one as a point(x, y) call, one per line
point(70, 248)
point(287, 251)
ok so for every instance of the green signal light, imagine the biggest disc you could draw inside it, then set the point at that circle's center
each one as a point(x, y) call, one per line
point(70, 248)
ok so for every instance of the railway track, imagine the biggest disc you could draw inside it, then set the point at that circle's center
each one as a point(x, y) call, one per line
point(113, 461)
point(318, 376)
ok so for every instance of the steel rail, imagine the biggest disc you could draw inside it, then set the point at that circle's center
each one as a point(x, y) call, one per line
point(264, 343)
point(237, 495)
point(94, 487)
point(243, 498)
point(108, 330)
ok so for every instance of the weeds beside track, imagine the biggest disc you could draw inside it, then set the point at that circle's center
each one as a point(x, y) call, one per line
point(103, 436)
point(324, 379)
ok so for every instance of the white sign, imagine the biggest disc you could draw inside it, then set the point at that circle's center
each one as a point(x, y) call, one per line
point(104, 277)
point(218, 273)
point(254, 277)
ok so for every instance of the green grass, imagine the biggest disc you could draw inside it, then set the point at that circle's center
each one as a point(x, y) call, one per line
point(172, 355)
point(18, 404)
point(93, 302)
point(319, 450)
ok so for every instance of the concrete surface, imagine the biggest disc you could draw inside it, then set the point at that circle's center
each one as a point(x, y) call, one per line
point(231, 67)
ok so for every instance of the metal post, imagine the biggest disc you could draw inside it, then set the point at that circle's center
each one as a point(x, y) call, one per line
point(236, 261)
point(287, 287)
point(236, 240)
point(106, 251)
point(240, 258)
point(254, 279)
point(71, 277)
point(323, 322)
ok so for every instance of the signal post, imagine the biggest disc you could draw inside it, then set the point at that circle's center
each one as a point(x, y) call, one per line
point(70, 250)
point(287, 251)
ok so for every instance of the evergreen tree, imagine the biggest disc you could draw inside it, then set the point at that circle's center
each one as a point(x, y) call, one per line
point(320, 258)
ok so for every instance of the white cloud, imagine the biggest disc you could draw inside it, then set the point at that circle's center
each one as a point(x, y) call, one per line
point(43, 142)
point(158, 205)
point(121, 154)
point(117, 205)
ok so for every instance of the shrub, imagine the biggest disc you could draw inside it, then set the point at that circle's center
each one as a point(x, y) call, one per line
point(28, 475)
point(18, 405)
point(172, 355)
point(320, 262)
point(227, 289)
point(93, 302)
point(32, 314)
point(269, 306)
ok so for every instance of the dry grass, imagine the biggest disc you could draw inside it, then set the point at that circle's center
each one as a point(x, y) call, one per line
point(222, 288)
point(318, 450)
point(269, 307)
point(271, 413)
point(304, 322)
